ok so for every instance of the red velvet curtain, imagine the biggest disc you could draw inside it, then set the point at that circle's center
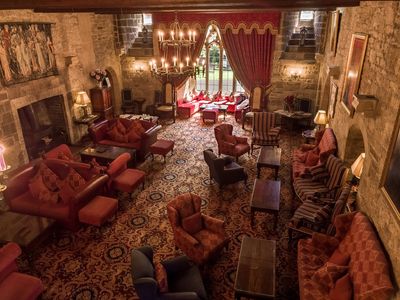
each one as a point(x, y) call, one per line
point(250, 56)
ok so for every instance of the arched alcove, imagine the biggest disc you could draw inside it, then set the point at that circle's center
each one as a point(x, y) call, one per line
point(324, 96)
point(355, 144)
point(115, 89)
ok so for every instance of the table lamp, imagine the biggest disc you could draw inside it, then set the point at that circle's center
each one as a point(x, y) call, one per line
point(83, 100)
point(320, 119)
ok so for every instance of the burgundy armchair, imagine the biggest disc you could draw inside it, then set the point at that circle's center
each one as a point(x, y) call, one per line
point(199, 236)
point(229, 144)
point(15, 285)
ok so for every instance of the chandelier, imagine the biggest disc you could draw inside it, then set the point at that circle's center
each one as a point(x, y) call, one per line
point(176, 53)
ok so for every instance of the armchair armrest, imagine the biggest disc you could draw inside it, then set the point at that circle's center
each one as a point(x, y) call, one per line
point(274, 131)
point(324, 241)
point(8, 255)
point(176, 264)
point(240, 139)
point(214, 224)
point(152, 130)
point(90, 190)
point(185, 237)
point(227, 160)
point(235, 172)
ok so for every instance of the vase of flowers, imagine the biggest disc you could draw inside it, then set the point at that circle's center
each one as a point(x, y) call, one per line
point(99, 75)
point(289, 103)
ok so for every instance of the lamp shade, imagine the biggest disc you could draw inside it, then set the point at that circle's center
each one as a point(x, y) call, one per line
point(82, 98)
point(357, 166)
point(321, 118)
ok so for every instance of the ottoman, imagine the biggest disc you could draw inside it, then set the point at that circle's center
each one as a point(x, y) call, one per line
point(98, 210)
point(162, 147)
point(210, 114)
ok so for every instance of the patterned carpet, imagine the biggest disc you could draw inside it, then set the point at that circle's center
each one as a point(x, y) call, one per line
point(89, 265)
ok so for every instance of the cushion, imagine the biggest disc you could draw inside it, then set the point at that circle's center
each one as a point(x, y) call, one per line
point(230, 139)
point(66, 192)
point(137, 126)
point(319, 173)
point(133, 136)
point(39, 191)
point(115, 135)
point(75, 180)
point(192, 224)
point(327, 275)
point(161, 277)
point(311, 158)
point(121, 128)
point(343, 289)
point(63, 156)
point(48, 176)
point(338, 258)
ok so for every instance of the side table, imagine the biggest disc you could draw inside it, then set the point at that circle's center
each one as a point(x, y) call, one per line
point(88, 121)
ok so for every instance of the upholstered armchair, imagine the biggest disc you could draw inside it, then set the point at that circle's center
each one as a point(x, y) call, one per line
point(176, 278)
point(229, 144)
point(15, 285)
point(224, 170)
point(265, 133)
point(199, 236)
point(324, 180)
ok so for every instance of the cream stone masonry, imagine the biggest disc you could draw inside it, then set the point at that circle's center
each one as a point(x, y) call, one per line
point(380, 77)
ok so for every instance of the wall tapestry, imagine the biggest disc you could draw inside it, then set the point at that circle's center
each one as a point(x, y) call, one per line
point(391, 180)
point(26, 52)
point(354, 66)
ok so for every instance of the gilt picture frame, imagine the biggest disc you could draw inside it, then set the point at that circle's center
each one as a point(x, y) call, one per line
point(26, 52)
point(391, 174)
point(332, 100)
point(352, 75)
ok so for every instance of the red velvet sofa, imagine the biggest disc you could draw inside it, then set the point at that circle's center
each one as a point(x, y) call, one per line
point(350, 265)
point(310, 155)
point(187, 109)
point(98, 133)
point(20, 199)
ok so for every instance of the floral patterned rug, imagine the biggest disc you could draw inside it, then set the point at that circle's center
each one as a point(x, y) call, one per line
point(89, 264)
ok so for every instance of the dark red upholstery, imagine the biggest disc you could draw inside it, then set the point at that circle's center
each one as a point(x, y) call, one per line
point(237, 147)
point(98, 133)
point(211, 114)
point(187, 109)
point(98, 210)
point(15, 285)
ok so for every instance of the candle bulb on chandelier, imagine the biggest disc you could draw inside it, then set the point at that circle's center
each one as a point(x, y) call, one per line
point(190, 35)
point(197, 61)
point(166, 68)
point(187, 61)
point(180, 35)
point(180, 67)
point(194, 36)
point(172, 35)
point(162, 62)
point(174, 59)
point(159, 35)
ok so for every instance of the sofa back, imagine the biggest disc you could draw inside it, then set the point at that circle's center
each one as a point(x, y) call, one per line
point(368, 266)
point(327, 145)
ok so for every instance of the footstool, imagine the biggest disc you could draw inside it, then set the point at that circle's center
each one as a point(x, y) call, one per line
point(210, 114)
point(162, 147)
point(98, 210)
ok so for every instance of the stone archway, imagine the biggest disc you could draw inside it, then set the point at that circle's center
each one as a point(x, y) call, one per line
point(115, 90)
point(355, 144)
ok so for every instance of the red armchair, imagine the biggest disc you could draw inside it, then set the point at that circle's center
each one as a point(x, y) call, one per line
point(229, 144)
point(15, 285)
point(199, 236)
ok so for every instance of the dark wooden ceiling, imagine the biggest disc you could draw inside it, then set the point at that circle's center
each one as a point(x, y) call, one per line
point(124, 6)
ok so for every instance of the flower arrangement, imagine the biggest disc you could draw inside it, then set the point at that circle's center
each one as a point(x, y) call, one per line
point(289, 103)
point(98, 74)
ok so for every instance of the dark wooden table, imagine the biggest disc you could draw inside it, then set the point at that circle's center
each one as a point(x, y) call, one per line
point(265, 198)
point(255, 275)
point(105, 154)
point(269, 157)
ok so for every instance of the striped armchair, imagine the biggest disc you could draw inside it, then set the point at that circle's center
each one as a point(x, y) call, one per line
point(326, 180)
point(316, 215)
point(264, 131)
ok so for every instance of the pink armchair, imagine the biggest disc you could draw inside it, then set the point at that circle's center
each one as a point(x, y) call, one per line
point(229, 144)
point(15, 285)
point(199, 236)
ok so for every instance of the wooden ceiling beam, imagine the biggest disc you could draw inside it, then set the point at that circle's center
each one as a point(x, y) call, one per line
point(114, 6)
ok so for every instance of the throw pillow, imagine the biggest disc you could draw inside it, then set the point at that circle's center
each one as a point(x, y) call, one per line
point(120, 127)
point(117, 136)
point(137, 126)
point(48, 176)
point(327, 275)
point(311, 159)
point(75, 180)
point(63, 156)
point(112, 133)
point(338, 258)
point(230, 139)
point(161, 277)
point(193, 223)
point(343, 289)
point(39, 191)
point(319, 173)
point(133, 137)
point(66, 192)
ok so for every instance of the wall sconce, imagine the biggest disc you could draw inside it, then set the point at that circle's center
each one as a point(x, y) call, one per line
point(295, 73)
point(83, 100)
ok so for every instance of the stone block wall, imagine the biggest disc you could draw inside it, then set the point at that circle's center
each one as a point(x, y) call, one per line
point(126, 29)
point(380, 77)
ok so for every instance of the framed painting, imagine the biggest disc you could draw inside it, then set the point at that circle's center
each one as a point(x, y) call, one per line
point(391, 176)
point(26, 52)
point(353, 71)
point(334, 30)
point(332, 100)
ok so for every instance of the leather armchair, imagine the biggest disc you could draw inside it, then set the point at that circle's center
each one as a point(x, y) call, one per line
point(224, 170)
point(15, 285)
point(184, 278)
point(202, 243)
point(229, 144)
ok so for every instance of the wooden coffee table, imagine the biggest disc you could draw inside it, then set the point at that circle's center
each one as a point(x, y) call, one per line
point(269, 157)
point(255, 275)
point(265, 198)
point(105, 154)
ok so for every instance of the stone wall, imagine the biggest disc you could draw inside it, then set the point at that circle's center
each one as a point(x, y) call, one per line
point(126, 28)
point(380, 77)
point(76, 41)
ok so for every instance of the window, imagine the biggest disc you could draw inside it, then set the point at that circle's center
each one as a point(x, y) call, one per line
point(306, 15)
point(215, 72)
point(147, 19)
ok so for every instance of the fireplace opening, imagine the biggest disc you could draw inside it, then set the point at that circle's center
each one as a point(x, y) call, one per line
point(43, 125)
